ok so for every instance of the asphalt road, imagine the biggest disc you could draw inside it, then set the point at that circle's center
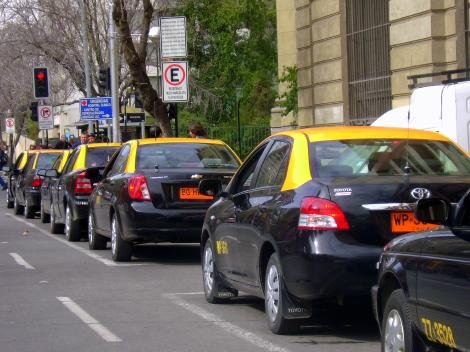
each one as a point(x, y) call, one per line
point(59, 296)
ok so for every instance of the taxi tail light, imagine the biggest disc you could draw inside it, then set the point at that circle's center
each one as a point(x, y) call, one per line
point(138, 188)
point(321, 214)
point(82, 184)
point(37, 181)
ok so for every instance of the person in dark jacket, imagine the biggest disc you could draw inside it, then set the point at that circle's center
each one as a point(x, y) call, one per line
point(197, 131)
point(3, 162)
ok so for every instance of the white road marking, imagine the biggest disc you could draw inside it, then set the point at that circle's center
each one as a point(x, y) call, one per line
point(3, 242)
point(20, 261)
point(89, 253)
point(225, 325)
point(93, 324)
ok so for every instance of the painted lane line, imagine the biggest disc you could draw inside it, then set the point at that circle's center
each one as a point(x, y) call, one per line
point(95, 256)
point(20, 261)
point(225, 325)
point(92, 323)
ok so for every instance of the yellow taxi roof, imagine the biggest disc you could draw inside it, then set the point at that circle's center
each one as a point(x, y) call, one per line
point(101, 145)
point(177, 140)
point(361, 132)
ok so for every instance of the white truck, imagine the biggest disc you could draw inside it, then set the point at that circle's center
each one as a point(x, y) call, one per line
point(443, 108)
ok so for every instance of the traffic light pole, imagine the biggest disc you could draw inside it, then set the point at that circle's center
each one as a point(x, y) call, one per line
point(86, 58)
point(114, 76)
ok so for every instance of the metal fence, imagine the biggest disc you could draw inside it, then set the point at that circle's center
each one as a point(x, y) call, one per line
point(368, 43)
point(241, 141)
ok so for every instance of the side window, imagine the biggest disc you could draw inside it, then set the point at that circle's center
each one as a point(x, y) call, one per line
point(120, 162)
point(57, 162)
point(71, 161)
point(245, 176)
point(272, 171)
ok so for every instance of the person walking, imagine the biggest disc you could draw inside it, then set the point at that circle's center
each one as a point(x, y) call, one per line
point(197, 131)
point(83, 140)
point(3, 162)
point(155, 132)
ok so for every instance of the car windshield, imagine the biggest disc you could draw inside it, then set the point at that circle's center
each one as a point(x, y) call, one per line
point(185, 155)
point(387, 157)
point(97, 157)
point(45, 161)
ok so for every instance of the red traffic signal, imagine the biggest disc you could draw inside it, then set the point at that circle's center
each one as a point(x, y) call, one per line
point(40, 83)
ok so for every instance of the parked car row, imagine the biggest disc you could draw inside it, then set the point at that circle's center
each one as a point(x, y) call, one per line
point(304, 219)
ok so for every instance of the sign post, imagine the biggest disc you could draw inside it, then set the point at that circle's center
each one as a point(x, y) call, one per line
point(45, 118)
point(175, 81)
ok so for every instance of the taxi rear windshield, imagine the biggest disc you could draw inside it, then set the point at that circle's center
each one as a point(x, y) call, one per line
point(185, 155)
point(45, 161)
point(386, 157)
point(96, 157)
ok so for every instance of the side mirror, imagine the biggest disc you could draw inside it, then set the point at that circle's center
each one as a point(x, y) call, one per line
point(433, 210)
point(51, 173)
point(211, 188)
point(6, 169)
point(41, 172)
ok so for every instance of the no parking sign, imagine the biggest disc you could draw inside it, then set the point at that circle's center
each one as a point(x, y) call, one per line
point(175, 81)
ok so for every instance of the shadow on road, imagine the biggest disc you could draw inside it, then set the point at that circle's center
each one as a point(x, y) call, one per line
point(169, 254)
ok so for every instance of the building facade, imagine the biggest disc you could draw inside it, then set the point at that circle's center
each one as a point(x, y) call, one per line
point(354, 56)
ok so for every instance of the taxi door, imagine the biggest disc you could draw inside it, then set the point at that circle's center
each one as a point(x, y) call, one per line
point(443, 291)
point(58, 186)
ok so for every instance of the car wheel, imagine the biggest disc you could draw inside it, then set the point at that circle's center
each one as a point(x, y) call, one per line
point(10, 203)
point(213, 287)
point(120, 249)
point(72, 228)
point(55, 227)
point(397, 333)
point(28, 210)
point(18, 209)
point(273, 300)
point(45, 218)
point(95, 241)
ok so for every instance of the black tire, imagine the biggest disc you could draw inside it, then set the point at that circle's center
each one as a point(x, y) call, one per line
point(45, 217)
point(10, 203)
point(95, 240)
point(18, 209)
point(28, 210)
point(56, 228)
point(273, 299)
point(72, 227)
point(396, 313)
point(213, 286)
point(121, 250)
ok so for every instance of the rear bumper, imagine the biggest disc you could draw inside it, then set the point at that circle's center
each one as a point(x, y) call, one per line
point(329, 265)
point(142, 222)
point(80, 208)
point(33, 197)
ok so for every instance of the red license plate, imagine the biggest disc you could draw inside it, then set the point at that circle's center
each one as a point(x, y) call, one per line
point(407, 222)
point(192, 193)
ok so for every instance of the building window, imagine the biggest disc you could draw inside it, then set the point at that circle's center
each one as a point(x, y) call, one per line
point(368, 43)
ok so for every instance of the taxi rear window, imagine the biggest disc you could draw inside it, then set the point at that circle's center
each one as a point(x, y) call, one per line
point(386, 157)
point(97, 157)
point(185, 155)
point(45, 161)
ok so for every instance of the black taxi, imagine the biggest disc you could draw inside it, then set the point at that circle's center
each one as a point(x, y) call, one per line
point(306, 216)
point(422, 300)
point(149, 192)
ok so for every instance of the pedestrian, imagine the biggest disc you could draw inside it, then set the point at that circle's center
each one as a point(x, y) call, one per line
point(155, 132)
point(197, 131)
point(3, 162)
point(83, 140)
point(63, 143)
point(91, 139)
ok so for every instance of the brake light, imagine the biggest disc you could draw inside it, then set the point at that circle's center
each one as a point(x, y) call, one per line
point(321, 214)
point(37, 181)
point(137, 188)
point(82, 184)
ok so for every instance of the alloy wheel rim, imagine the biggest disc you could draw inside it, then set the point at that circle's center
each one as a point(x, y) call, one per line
point(90, 229)
point(394, 337)
point(208, 269)
point(113, 236)
point(272, 293)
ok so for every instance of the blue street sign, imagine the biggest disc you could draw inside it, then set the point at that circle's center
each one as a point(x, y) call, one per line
point(97, 108)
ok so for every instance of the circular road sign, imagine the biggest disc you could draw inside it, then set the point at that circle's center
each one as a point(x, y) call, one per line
point(175, 74)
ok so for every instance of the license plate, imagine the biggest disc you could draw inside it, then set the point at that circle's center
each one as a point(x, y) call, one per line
point(406, 222)
point(192, 193)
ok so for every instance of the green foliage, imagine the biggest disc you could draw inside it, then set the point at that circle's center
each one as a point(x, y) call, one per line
point(223, 62)
point(288, 100)
point(32, 128)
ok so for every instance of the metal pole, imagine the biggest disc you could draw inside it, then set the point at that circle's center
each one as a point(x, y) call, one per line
point(86, 58)
point(114, 76)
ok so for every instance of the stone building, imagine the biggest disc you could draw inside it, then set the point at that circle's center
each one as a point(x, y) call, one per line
point(354, 56)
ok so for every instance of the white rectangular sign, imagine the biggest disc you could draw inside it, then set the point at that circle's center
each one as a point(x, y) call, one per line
point(173, 37)
point(10, 125)
point(175, 81)
point(45, 117)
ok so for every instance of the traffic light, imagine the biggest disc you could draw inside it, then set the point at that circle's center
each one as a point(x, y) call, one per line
point(104, 78)
point(41, 83)
point(34, 110)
